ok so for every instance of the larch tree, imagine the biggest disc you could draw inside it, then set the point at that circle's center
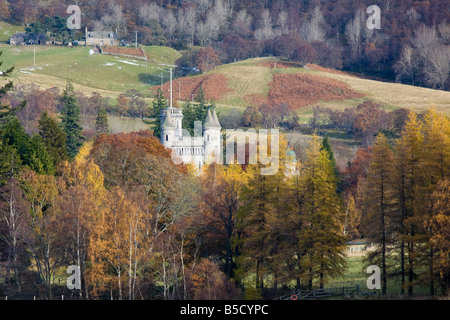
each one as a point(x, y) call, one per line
point(436, 162)
point(409, 172)
point(439, 224)
point(261, 238)
point(221, 198)
point(320, 240)
point(377, 221)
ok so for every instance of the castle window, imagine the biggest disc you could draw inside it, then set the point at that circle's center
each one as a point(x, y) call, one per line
point(207, 137)
point(167, 137)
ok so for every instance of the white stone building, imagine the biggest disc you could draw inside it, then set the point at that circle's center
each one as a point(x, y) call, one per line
point(197, 150)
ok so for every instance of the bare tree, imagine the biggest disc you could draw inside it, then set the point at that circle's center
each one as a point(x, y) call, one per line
point(169, 23)
point(265, 31)
point(202, 33)
point(425, 40)
point(312, 29)
point(354, 33)
point(408, 65)
point(283, 22)
point(437, 67)
point(149, 11)
point(444, 31)
point(190, 19)
point(13, 212)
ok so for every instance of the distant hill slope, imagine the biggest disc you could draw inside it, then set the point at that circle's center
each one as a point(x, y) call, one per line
point(108, 75)
point(263, 80)
point(235, 85)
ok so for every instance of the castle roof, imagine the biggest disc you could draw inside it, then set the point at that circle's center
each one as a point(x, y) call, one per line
point(168, 123)
point(210, 122)
point(216, 120)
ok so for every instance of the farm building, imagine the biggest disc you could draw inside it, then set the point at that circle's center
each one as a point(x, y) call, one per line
point(101, 38)
point(18, 39)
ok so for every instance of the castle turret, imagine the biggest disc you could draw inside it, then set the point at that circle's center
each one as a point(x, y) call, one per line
point(168, 129)
point(211, 136)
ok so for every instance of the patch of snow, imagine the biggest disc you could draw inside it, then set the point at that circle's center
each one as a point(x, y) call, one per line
point(129, 62)
point(109, 64)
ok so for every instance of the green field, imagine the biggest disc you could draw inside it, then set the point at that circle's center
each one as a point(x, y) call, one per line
point(109, 75)
point(7, 30)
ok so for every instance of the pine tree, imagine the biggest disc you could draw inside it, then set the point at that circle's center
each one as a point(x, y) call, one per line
point(101, 122)
point(201, 108)
point(189, 117)
point(71, 121)
point(159, 103)
point(377, 221)
point(31, 150)
point(54, 139)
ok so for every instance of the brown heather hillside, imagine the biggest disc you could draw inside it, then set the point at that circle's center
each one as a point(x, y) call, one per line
point(301, 90)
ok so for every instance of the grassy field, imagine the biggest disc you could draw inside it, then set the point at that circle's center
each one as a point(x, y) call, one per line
point(7, 30)
point(105, 74)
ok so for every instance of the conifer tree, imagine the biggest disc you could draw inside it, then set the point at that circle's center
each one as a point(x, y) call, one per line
point(410, 181)
point(378, 223)
point(54, 139)
point(260, 222)
point(31, 150)
point(201, 109)
point(159, 103)
point(9, 162)
point(101, 122)
point(327, 147)
point(71, 121)
point(436, 163)
point(321, 242)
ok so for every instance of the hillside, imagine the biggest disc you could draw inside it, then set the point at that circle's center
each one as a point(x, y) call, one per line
point(108, 75)
point(235, 85)
point(262, 80)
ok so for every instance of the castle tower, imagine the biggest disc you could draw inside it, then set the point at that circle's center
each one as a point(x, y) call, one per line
point(168, 129)
point(211, 137)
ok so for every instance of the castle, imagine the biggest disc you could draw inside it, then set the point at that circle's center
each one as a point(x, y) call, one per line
point(196, 150)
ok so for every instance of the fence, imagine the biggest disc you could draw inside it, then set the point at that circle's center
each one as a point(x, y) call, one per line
point(324, 293)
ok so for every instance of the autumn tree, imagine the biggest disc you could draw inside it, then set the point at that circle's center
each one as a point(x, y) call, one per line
point(321, 243)
point(379, 225)
point(207, 59)
point(410, 209)
point(41, 192)
point(440, 226)
point(221, 197)
point(261, 237)
point(15, 216)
